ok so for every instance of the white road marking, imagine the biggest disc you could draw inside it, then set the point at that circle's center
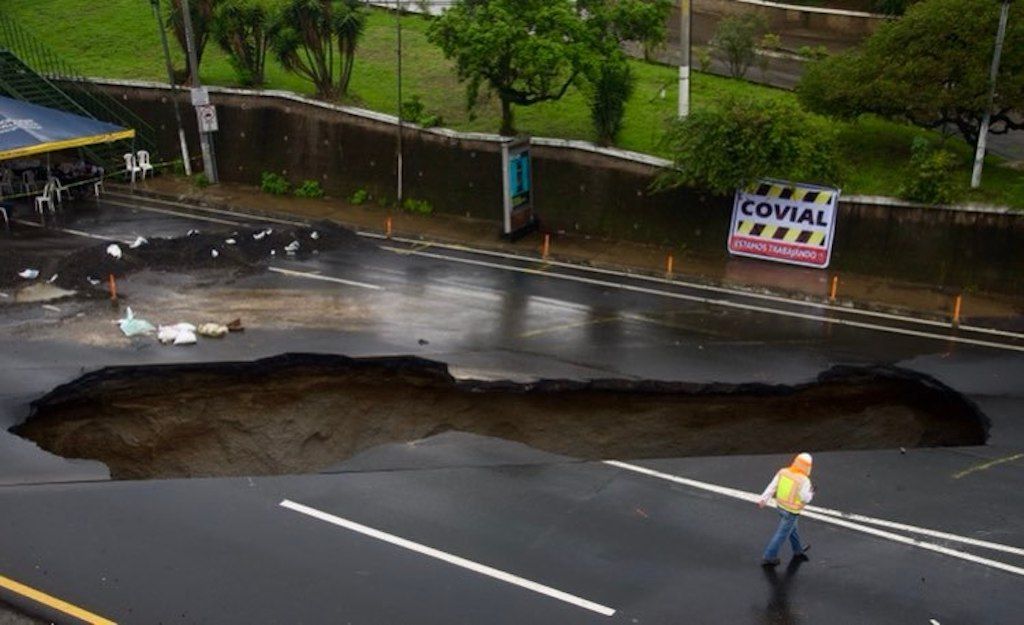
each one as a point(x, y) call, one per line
point(207, 209)
point(476, 567)
point(826, 518)
point(164, 211)
point(77, 233)
point(708, 287)
point(323, 278)
point(717, 302)
point(611, 272)
point(599, 270)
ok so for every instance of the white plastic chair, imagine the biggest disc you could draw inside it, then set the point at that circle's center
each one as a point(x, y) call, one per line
point(47, 199)
point(28, 181)
point(6, 181)
point(97, 186)
point(7, 218)
point(143, 162)
point(131, 166)
point(59, 188)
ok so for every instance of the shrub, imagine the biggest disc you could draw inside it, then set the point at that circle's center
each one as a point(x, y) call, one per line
point(703, 55)
point(274, 184)
point(735, 39)
point(771, 41)
point(931, 176)
point(420, 207)
point(359, 197)
point(309, 189)
point(415, 111)
point(814, 53)
point(201, 180)
point(608, 95)
point(730, 147)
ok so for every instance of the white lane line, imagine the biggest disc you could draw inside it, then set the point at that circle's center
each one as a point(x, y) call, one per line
point(77, 233)
point(717, 302)
point(707, 287)
point(825, 518)
point(164, 211)
point(207, 209)
point(323, 278)
point(611, 272)
point(476, 567)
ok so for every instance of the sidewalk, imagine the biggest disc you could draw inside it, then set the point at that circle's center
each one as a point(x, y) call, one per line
point(859, 291)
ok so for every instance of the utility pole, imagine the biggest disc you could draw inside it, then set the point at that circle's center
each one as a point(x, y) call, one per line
point(684, 55)
point(205, 140)
point(174, 89)
point(398, 54)
point(979, 154)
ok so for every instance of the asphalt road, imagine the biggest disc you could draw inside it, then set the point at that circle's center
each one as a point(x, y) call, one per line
point(460, 529)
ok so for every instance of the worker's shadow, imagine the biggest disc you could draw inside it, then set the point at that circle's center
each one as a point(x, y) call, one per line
point(778, 612)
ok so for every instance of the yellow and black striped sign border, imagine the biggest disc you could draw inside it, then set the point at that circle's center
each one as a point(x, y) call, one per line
point(787, 192)
point(781, 233)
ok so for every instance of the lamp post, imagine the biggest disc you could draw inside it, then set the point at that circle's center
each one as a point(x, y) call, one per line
point(979, 154)
point(174, 89)
point(684, 63)
point(398, 55)
point(205, 140)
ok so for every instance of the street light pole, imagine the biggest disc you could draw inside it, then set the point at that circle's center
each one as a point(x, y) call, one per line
point(205, 140)
point(174, 89)
point(684, 64)
point(398, 54)
point(979, 154)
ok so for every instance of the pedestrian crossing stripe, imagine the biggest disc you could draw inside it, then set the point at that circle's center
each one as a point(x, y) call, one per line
point(787, 192)
point(781, 233)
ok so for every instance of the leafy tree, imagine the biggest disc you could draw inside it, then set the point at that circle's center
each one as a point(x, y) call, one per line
point(243, 29)
point(731, 146)
point(930, 67)
point(892, 7)
point(201, 12)
point(736, 38)
point(524, 51)
point(311, 32)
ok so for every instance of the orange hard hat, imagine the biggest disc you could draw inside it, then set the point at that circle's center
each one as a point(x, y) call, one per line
point(802, 463)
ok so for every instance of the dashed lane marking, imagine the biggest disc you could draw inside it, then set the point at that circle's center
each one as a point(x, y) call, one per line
point(830, 518)
point(566, 326)
point(987, 465)
point(437, 554)
point(316, 276)
point(717, 302)
point(53, 602)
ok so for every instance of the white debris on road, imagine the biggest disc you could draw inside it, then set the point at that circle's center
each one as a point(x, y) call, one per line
point(114, 250)
point(29, 274)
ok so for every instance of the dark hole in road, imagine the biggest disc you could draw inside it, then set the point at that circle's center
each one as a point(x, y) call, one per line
point(302, 413)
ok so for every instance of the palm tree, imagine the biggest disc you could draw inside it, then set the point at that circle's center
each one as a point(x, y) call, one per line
point(244, 29)
point(202, 15)
point(310, 31)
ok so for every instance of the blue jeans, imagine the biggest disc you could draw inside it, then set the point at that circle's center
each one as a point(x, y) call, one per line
point(787, 529)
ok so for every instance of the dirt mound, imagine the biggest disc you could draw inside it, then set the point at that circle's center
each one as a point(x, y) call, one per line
point(302, 413)
point(241, 250)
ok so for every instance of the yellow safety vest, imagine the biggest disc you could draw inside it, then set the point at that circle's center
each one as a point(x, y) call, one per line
point(787, 493)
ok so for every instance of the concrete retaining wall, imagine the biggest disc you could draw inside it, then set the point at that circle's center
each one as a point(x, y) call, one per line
point(580, 188)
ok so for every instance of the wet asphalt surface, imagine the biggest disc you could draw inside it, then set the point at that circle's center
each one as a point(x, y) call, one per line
point(225, 551)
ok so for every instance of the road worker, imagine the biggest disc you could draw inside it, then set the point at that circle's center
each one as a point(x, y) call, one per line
point(791, 489)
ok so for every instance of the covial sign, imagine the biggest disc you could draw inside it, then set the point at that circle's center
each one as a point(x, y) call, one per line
point(785, 222)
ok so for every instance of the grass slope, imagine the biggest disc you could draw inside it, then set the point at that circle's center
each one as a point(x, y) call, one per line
point(118, 38)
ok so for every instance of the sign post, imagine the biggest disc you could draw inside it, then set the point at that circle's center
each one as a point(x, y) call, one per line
point(784, 222)
point(517, 189)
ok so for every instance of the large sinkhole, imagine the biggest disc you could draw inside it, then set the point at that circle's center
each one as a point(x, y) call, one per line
point(303, 413)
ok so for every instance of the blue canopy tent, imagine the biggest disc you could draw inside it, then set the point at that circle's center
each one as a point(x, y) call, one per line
point(28, 129)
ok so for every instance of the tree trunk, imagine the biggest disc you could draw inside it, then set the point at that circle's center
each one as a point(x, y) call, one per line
point(507, 124)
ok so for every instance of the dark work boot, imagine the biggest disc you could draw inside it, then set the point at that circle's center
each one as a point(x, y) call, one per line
point(802, 556)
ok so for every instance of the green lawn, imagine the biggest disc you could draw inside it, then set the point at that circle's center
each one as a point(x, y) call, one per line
point(118, 38)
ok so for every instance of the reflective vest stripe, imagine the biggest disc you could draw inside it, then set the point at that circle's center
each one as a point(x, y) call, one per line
point(787, 493)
